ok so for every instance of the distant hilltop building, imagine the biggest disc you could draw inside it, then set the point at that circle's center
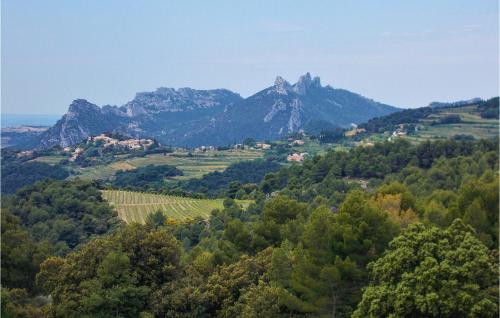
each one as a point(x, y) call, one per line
point(297, 157)
point(239, 146)
point(204, 148)
point(263, 146)
point(354, 132)
point(298, 142)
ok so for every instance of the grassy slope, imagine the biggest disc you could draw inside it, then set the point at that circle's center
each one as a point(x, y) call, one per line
point(135, 206)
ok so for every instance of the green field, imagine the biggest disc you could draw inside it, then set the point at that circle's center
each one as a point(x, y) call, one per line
point(135, 206)
point(51, 160)
point(193, 166)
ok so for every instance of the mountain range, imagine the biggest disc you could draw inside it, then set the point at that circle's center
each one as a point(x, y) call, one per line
point(189, 117)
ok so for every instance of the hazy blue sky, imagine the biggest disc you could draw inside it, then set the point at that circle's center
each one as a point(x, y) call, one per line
point(405, 53)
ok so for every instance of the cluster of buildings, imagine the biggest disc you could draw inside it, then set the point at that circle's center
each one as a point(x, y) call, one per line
point(297, 157)
point(75, 154)
point(26, 153)
point(132, 144)
point(258, 145)
point(399, 132)
point(204, 148)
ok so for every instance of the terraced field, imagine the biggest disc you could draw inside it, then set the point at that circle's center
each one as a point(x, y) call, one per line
point(471, 124)
point(193, 166)
point(135, 206)
point(51, 160)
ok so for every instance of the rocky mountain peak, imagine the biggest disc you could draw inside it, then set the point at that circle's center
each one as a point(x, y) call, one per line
point(305, 83)
point(82, 105)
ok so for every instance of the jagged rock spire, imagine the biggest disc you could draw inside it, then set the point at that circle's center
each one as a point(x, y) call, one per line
point(305, 82)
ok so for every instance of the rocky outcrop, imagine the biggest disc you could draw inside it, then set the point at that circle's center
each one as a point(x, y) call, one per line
point(82, 120)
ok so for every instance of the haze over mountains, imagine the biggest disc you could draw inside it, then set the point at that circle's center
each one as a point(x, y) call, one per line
point(189, 117)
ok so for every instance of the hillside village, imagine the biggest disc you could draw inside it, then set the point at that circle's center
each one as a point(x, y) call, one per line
point(107, 141)
point(129, 143)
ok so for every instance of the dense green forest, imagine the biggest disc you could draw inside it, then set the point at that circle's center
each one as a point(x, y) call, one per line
point(147, 177)
point(393, 230)
point(489, 108)
point(49, 218)
point(16, 175)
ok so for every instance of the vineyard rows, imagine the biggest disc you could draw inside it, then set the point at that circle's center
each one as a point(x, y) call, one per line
point(135, 206)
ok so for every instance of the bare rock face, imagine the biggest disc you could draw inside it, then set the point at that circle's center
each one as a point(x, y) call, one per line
point(305, 83)
point(281, 86)
point(83, 119)
point(189, 117)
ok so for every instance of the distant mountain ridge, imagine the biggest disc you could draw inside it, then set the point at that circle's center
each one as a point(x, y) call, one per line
point(474, 100)
point(189, 117)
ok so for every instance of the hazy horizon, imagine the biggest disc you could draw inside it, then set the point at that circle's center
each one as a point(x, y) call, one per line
point(16, 120)
point(399, 53)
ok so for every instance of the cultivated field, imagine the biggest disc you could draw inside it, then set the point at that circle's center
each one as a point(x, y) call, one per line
point(193, 166)
point(51, 160)
point(135, 206)
point(470, 124)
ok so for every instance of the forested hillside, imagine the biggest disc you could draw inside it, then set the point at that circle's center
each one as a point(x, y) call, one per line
point(350, 233)
point(45, 219)
point(18, 172)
